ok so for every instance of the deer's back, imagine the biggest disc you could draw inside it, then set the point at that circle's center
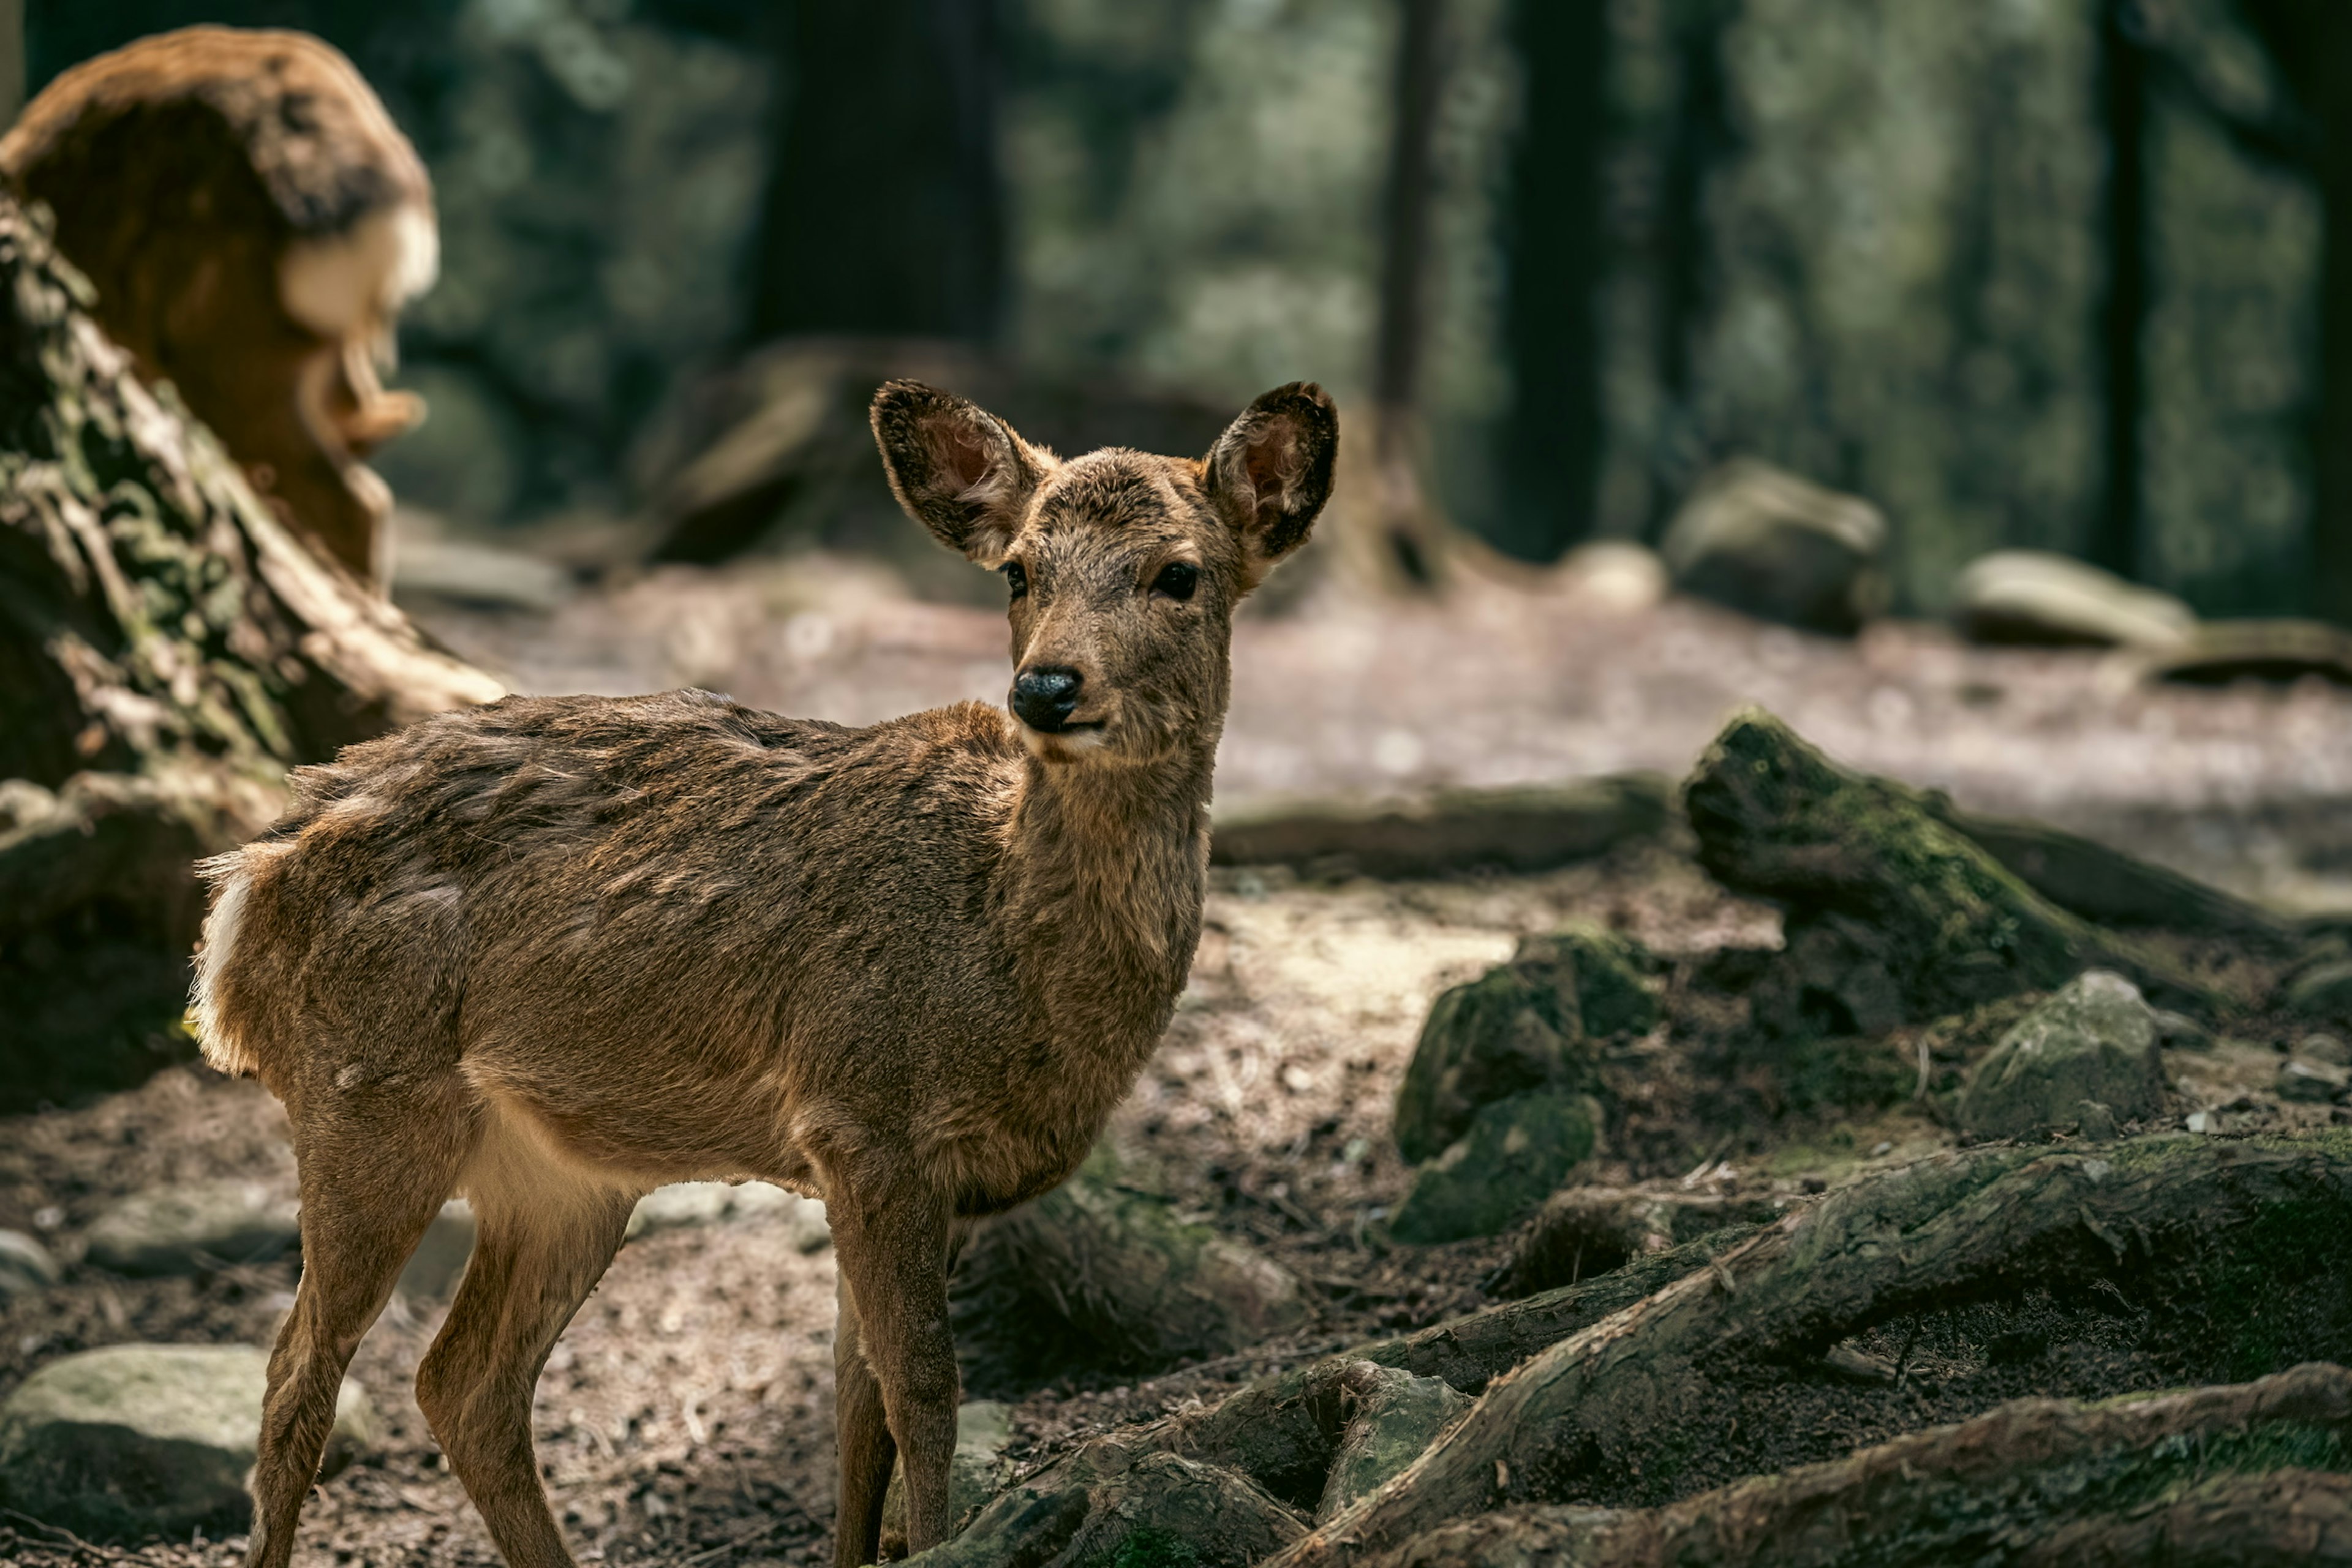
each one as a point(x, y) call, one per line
point(671, 927)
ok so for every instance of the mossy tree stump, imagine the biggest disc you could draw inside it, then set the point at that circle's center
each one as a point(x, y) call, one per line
point(168, 649)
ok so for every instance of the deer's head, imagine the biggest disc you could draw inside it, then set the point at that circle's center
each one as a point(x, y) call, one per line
point(1123, 569)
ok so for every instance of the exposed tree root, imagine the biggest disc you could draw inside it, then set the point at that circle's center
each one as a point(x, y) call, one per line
point(1584, 1231)
point(2240, 1473)
point(2234, 1249)
point(1929, 1294)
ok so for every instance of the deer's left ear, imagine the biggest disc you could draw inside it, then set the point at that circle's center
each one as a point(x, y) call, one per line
point(1270, 473)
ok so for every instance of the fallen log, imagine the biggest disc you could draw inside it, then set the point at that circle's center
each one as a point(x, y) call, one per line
point(2239, 1474)
point(1530, 828)
point(1894, 915)
point(2186, 1258)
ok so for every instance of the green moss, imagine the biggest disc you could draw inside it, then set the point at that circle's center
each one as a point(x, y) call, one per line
point(1149, 1549)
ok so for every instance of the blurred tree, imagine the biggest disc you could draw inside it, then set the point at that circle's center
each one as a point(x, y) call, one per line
point(2115, 534)
point(1400, 438)
point(1553, 251)
point(2310, 42)
point(884, 207)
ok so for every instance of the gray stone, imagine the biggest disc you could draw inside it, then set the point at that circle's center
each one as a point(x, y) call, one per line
point(1516, 1154)
point(139, 1440)
point(977, 1473)
point(2093, 1039)
point(25, 1264)
point(1761, 540)
point(2323, 990)
point(440, 1257)
point(713, 1203)
point(2179, 1032)
point(2324, 1049)
point(1527, 1025)
point(192, 1228)
point(2310, 1082)
point(1394, 1417)
point(2042, 598)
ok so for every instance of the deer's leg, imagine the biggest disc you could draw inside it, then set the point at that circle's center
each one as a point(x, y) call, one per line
point(537, 1256)
point(893, 1241)
point(862, 1434)
point(372, 1178)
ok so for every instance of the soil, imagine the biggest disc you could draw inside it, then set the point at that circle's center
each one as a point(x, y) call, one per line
point(686, 1416)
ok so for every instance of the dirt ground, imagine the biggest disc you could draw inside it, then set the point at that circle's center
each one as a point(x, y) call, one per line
point(686, 1417)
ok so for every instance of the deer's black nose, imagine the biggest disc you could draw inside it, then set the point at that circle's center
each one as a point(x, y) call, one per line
point(1045, 696)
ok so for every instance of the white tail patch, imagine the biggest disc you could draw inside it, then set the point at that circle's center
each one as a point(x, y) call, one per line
point(232, 879)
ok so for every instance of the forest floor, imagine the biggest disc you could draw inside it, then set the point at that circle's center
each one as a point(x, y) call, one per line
point(686, 1417)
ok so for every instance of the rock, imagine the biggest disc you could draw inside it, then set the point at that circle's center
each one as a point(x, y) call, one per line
point(2310, 1082)
point(1514, 1155)
point(2095, 1121)
point(2278, 650)
point(1527, 828)
point(1761, 540)
point(710, 1202)
point(139, 1440)
point(2323, 990)
point(2179, 1032)
point(25, 1264)
point(1609, 577)
point(193, 1227)
point(1102, 1272)
point(1525, 1024)
point(2047, 600)
point(440, 1257)
point(977, 1473)
point(2095, 1039)
point(1394, 1417)
point(2324, 1049)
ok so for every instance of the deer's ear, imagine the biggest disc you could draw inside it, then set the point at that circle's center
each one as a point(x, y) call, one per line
point(957, 469)
point(1270, 473)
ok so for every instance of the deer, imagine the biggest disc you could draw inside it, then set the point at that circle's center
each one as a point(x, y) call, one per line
point(553, 951)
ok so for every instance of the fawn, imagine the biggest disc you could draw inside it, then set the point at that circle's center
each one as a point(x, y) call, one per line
point(554, 951)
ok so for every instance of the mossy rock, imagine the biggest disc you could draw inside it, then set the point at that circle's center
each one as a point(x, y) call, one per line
point(2091, 1045)
point(1514, 1155)
point(1526, 1025)
point(133, 1441)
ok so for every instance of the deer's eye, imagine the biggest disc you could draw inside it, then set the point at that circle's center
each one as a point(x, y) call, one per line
point(1177, 580)
point(1015, 578)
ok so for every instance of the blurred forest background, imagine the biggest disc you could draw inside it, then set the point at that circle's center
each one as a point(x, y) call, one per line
point(2042, 273)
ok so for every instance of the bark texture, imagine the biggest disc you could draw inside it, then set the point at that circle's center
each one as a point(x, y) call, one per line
point(2243, 1473)
point(168, 649)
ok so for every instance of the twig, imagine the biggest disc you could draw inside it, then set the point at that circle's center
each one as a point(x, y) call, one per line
point(67, 1537)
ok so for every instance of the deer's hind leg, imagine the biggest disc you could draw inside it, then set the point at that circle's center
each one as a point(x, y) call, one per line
point(377, 1161)
point(545, 1237)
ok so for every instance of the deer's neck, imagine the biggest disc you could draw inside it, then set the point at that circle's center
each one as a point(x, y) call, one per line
point(1109, 865)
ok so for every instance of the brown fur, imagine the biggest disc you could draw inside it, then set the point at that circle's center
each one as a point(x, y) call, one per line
point(556, 951)
point(251, 219)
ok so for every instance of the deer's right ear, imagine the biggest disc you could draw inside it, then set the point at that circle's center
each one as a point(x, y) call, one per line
point(957, 469)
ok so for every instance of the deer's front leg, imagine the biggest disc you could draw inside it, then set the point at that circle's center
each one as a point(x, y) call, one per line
point(893, 1240)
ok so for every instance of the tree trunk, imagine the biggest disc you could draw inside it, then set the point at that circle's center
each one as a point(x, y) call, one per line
point(168, 649)
point(891, 116)
point(1554, 258)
